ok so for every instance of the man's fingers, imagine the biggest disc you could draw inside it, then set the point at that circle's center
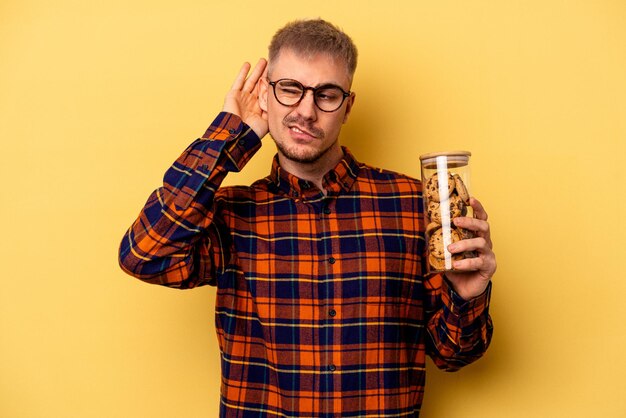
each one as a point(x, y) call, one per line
point(469, 264)
point(484, 260)
point(480, 227)
point(241, 77)
point(254, 77)
point(471, 244)
point(479, 210)
point(473, 224)
point(247, 83)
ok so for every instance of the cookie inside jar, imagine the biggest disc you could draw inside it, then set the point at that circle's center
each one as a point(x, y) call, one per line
point(445, 180)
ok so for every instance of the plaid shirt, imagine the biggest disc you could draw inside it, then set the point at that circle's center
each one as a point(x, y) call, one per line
point(323, 307)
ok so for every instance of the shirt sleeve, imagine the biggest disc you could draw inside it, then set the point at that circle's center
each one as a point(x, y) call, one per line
point(175, 241)
point(459, 330)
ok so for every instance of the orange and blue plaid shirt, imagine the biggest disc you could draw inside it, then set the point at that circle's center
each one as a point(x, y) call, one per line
point(323, 307)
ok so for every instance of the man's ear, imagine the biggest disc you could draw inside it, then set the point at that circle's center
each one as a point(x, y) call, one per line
point(263, 90)
point(349, 104)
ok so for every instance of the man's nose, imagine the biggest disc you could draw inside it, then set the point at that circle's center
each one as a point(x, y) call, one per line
point(307, 108)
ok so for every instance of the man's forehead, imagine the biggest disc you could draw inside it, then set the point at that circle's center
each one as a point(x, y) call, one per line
point(292, 64)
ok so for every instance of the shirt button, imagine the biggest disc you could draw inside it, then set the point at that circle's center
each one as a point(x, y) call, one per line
point(242, 142)
point(326, 210)
point(332, 260)
point(332, 367)
point(332, 312)
point(232, 131)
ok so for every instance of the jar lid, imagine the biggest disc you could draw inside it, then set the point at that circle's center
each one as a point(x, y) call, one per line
point(453, 159)
point(445, 153)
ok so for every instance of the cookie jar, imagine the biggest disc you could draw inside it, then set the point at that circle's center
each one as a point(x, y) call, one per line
point(446, 180)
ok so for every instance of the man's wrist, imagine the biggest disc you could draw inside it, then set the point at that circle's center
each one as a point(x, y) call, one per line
point(459, 304)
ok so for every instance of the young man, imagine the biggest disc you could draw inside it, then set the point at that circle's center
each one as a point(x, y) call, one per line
point(323, 306)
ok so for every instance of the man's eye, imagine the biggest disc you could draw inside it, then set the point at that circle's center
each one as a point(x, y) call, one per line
point(327, 95)
point(291, 91)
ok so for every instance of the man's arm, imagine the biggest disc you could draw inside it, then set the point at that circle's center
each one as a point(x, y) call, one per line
point(243, 97)
point(459, 331)
point(176, 228)
point(472, 275)
point(175, 240)
point(459, 325)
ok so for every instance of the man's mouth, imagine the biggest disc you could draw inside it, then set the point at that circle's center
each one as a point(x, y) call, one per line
point(299, 130)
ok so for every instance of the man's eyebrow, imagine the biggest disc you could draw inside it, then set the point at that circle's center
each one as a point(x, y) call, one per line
point(322, 84)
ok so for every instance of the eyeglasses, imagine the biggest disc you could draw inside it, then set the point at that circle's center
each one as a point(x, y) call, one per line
point(327, 97)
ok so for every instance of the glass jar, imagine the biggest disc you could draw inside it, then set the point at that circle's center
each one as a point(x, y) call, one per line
point(445, 200)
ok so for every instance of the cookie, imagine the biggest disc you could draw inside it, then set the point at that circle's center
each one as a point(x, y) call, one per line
point(436, 263)
point(465, 233)
point(435, 243)
point(460, 188)
point(432, 187)
point(432, 227)
point(457, 208)
point(455, 236)
point(440, 263)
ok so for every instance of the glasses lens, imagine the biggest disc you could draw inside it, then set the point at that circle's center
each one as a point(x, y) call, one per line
point(288, 92)
point(329, 98)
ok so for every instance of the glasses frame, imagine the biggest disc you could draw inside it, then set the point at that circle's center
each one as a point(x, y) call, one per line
point(345, 95)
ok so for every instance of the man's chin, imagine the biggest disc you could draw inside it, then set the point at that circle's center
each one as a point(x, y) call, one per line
point(301, 154)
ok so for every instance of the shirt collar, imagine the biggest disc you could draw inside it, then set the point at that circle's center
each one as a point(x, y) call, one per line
point(339, 179)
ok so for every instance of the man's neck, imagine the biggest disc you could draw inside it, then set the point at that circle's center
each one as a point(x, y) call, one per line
point(313, 172)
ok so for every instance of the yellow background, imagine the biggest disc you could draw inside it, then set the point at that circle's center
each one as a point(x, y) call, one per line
point(97, 98)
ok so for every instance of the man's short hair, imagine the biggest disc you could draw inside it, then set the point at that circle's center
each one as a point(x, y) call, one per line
point(314, 36)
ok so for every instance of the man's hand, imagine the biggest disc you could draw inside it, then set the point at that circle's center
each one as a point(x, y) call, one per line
point(243, 98)
point(472, 275)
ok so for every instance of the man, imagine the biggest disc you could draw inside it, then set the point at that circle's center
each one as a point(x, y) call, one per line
point(323, 306)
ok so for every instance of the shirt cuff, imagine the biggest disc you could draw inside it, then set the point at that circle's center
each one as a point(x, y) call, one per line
point(227, 145)
point(226, 127)
point(459, 306)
